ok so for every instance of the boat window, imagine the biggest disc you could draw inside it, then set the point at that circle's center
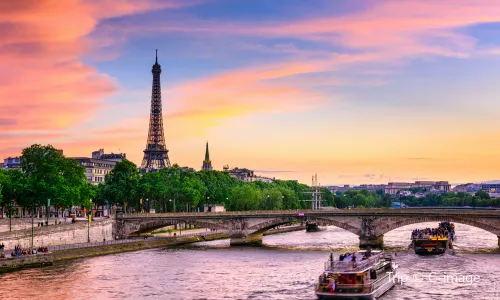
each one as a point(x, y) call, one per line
point(359, 279)
point(346, 279)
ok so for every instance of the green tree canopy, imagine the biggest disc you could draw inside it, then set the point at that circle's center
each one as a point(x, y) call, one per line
point(50, 175)
point(122, 184)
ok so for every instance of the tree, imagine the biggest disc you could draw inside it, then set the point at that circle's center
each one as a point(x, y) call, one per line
point(245, 197)
point(122, 184)
point(272, 199)
point(328, 197)
point(50, 175)
point(482, 195)
point(386, 200)
point(4, 187)
point(340, 201)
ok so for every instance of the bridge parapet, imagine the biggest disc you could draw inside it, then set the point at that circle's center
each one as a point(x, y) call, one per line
point(350, 212)
point(369, 224)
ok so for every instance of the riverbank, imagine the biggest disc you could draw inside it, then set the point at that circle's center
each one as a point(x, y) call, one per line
point(68, 254)
point(10, 264)
point(151, 243)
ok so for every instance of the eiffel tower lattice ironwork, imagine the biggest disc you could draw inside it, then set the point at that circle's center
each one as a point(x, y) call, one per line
point(156, 152)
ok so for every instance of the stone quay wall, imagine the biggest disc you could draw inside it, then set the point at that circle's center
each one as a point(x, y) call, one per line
point(59, 234)
point(25, 223)
point(26, 261)
point(17, 224)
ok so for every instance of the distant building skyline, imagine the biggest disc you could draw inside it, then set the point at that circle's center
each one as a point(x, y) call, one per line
point(99, 165)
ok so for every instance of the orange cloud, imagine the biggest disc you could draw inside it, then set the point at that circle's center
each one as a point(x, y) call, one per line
point(240, 92)
point(43, 82)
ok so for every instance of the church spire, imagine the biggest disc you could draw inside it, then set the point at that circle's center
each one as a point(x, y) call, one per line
point(207, 164)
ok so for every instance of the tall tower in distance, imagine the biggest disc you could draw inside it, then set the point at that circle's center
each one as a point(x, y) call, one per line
point(156, 153)
point(207, 164)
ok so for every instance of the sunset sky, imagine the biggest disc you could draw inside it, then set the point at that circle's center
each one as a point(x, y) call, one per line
point(355, 91)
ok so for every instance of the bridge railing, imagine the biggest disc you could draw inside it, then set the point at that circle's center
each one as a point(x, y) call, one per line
point(304, 212)
point(250, 212)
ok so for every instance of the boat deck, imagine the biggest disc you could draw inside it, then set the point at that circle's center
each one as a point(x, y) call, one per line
point(351, 266)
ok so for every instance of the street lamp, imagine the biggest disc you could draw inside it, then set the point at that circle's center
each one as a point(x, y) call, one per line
point(32, 224)
point(89, 218)
point(10, 215)
point(174, 203)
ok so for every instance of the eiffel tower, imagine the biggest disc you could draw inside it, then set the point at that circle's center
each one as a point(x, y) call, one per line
point(156, 152)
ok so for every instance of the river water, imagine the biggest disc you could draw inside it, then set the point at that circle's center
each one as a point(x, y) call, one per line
point(287, 267)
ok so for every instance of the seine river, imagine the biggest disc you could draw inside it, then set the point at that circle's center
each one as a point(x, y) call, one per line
point(287, 267)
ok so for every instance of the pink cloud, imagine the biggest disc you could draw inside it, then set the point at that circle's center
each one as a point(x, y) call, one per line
point(44, 84)
point(40, 50)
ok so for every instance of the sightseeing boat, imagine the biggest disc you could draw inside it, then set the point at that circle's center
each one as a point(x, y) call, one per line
point(368, 278)
point(313, 227)
point(433, 241)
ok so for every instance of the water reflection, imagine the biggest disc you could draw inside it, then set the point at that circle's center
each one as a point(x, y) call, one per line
point(287, 268)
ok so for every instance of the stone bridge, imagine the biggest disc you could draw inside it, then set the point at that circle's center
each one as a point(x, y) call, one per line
point(369, 224)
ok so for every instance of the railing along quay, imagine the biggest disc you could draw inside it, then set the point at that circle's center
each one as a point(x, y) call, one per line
point(125, 241)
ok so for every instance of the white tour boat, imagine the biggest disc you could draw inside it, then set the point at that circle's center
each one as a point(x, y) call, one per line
point(366, 276)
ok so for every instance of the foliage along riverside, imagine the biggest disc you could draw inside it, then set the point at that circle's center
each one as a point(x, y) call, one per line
point(47, 174)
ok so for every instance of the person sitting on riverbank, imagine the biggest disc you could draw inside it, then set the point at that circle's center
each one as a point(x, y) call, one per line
point(42, 250)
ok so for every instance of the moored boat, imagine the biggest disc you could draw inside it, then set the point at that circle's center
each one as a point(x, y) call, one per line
point(368, 278)
point(433, 240)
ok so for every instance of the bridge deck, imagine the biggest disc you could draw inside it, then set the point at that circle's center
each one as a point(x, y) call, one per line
point(316, 213)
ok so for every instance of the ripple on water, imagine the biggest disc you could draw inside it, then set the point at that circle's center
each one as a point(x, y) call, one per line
point(286, 268)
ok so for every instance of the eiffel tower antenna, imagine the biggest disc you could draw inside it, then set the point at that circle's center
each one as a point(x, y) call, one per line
point(156, 152)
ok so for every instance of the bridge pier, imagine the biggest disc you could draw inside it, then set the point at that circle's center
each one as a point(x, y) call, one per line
point(249, 240)
point(374, 242)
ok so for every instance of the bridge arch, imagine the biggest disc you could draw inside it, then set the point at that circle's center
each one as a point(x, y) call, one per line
point(132, 227)
point(268, 225)
point(484, 224)
point(337, 223)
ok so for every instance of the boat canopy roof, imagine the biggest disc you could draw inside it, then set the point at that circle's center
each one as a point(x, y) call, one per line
point(349, 266)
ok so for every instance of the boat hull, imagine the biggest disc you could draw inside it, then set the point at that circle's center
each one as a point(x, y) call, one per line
point(312, 227)
point(388, 283)
point(428, 247)
point(373, 295)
